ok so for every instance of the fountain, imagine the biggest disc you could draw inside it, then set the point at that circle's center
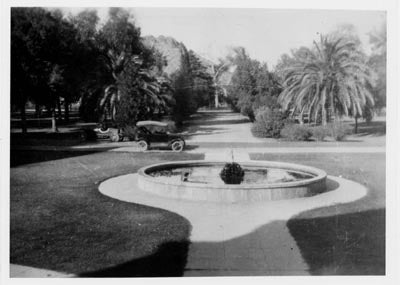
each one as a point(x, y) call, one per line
point(252, 181)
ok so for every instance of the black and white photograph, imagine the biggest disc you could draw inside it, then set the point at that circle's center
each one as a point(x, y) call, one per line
point(169, 141)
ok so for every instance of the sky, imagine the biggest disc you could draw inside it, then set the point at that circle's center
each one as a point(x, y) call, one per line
point(266, 34)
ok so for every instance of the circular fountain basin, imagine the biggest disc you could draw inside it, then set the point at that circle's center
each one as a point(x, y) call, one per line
point(200, 181)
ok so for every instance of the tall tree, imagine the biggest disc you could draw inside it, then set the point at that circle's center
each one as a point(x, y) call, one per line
point(133, 92)
point(333, 81)
point(182, 84)
point(119, 42)
point(252, 85)
point(203, 85)
point(377, 62)
point(93, 62)
point(39, 49)
point(217, 72)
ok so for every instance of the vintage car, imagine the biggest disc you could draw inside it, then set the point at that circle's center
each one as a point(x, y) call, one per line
point(148, 133)
point(114, 134)
point(154, 133)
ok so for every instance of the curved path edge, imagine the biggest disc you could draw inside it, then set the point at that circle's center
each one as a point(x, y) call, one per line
point(217, 225)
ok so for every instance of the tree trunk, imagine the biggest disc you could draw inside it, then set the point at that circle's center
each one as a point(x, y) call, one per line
point(23, 119)
point(356, 125)
point(301, 117)
point(323, 115)
point(59, 108)
point(216, 99)
point(53, 121)
point(332, 112)
point(66, 110)
point(37, 111)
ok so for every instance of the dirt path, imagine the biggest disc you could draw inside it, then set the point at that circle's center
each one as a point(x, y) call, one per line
point(221, 126)
point(224, 128)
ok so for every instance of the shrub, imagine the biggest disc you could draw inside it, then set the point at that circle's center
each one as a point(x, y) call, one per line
point(295, 132)
point(172, 128)
point(247, 110)
point(338, 131)
point(232, 173)
point(131, 132)
point(320, 132)
point(268, 123)
point(368, 114)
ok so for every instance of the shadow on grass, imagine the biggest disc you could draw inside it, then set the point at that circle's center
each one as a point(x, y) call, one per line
point(227, 122)
point(21, 157)
point(198, 130)
point(350, 140)
point(168, 149)
point(377, 128)
point(168, 261)
point(348, 244)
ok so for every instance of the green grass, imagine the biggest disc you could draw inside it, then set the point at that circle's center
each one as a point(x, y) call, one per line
point(60, 221)
point(346, 239)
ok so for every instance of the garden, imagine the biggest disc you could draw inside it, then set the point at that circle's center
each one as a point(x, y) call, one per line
point(322, 106)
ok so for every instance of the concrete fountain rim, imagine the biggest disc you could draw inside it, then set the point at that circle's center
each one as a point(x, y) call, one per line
point(319, 175)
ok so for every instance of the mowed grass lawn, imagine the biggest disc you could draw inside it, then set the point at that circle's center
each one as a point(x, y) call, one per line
point(347, 238)
point(60, 221)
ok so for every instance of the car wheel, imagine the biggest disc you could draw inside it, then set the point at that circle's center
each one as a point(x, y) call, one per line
point(103, 131)
point(143, 145)
point(114, 137)
point(177, 145)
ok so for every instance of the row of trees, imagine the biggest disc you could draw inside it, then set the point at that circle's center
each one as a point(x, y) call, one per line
point(252, 84)
point(43, 46)
point(115, 77)
point(107, 68)
point(332, 78)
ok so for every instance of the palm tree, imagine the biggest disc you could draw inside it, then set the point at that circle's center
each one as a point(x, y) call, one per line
point(108, 103)
point(111, 96)
point(151, 93)
point(157, 91)
point(331, 80)
point(217, 72)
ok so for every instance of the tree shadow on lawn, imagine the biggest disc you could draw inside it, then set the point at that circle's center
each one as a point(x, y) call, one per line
point(168, 261)
point(210, 119)
point(168, 148)
point(375, 128)
point(227, 122)
point(198, 130)
point(200, 118)
point(22, 157)
point(348, 244)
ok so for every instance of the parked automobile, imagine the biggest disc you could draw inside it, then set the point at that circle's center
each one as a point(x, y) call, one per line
point(114, 134)
point(153, 133)
point(149, 133)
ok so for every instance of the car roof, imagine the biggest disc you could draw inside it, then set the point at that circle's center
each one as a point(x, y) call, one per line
point(151, 123)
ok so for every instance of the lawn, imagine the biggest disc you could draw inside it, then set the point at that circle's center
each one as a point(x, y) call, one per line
point(60, 221)
point(347, 239)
